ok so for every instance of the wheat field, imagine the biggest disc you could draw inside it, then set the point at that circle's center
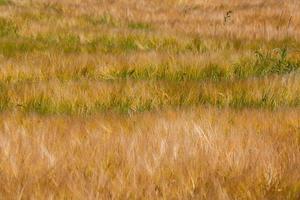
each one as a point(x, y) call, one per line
point(150, 99)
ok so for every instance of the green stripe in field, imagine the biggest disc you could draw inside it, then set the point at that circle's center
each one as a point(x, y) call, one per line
point(88, 98)
point(262, 64)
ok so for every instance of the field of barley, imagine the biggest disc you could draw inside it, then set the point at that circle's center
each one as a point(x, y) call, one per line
point(150, 99)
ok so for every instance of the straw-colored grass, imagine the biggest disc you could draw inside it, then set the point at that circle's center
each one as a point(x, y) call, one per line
point(134, 99)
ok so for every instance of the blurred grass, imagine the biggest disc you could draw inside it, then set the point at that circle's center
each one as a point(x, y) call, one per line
point(4, 2)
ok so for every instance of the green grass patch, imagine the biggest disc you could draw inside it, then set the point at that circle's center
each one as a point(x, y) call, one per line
point(260, 65)
point(214, 72)
point(139, 26)
point(126, 104)
point(166, 71)
point(133, 43)
point(41, 104)
point(10, 48)
point(4, 2)
point(107, 44)
point(7, 28)
point(266, 63)
point(70, 43)
point(197, 45)
point(161, 95)
point(104, 19)
point(4, 98)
